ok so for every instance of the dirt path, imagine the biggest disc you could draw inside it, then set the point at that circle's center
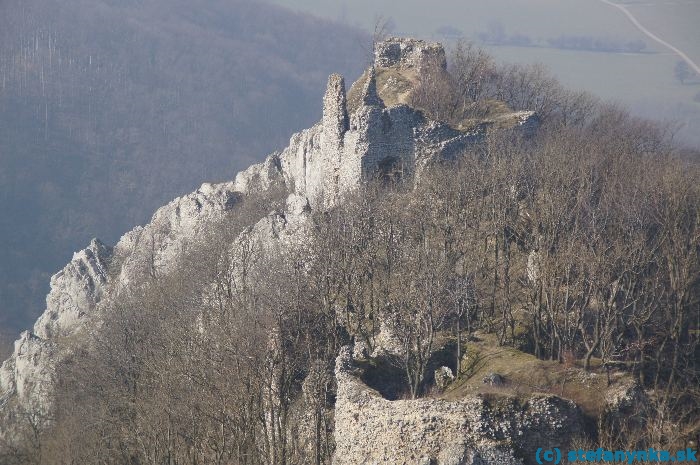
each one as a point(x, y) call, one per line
point(653, 36)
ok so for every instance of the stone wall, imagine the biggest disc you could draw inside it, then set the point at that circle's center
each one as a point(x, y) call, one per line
point(500, 431)
point(335, 156)
point(409, 53)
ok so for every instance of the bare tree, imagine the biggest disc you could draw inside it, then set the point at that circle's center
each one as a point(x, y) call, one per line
point(682, 71)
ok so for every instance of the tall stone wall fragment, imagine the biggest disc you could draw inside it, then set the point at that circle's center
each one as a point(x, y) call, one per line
point(371, 430)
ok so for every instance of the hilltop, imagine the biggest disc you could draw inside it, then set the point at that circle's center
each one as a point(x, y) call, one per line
point(408, 281)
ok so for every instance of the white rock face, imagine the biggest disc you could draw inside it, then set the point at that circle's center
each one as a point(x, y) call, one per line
point(26, 378)
point(334, 157)
point(75, 291)
point(152, 249)
point(32, 374)
point(260, 176)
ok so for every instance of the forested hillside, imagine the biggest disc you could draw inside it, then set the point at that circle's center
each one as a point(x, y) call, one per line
point(574, 249)
point(110, 108)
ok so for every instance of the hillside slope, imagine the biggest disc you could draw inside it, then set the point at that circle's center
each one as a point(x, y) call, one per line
point(108, 109)
point(394, 286)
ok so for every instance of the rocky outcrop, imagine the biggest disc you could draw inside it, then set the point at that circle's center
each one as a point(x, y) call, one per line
point(92, 276)
point(153, 249)
point(476, 430)
point(75, 291)
point(626, 409)
point(335, 113)
point(320, 166)
point(624, 397)
point(334, 157)
point(28, 373)
point(443, 377)
point(261, 176)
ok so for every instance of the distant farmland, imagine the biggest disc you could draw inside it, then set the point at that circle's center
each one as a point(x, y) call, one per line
point(644, 80)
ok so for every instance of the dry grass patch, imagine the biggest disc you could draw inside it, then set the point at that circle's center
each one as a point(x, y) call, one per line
point(394, 86)
point(525, 375)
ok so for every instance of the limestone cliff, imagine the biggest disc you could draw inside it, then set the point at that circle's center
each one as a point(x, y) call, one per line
point(348, 147)
point(75, 291)
point(354, 141)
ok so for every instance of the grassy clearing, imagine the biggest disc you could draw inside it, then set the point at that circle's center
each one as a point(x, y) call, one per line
point(526, 375)
point(393, 86)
